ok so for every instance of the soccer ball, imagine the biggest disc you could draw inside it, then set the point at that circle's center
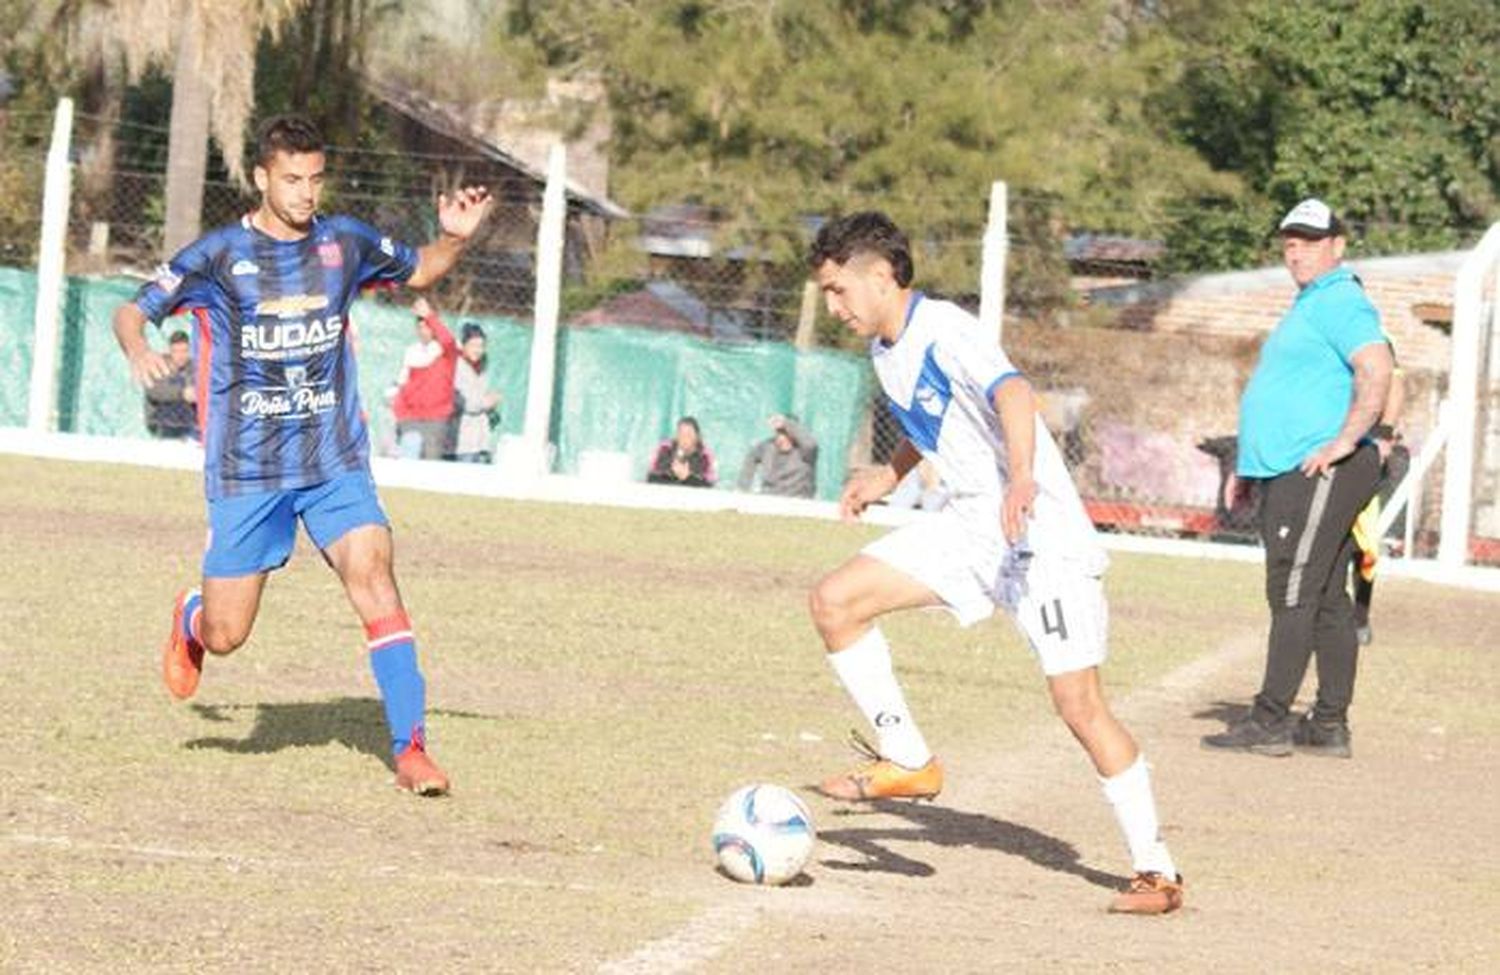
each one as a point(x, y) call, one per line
point(763, 835)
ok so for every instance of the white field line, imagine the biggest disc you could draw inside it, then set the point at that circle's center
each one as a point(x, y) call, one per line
point(477, 480)
point(696, 942)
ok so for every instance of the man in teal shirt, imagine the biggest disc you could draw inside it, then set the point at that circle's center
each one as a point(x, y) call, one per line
point(1305, 419)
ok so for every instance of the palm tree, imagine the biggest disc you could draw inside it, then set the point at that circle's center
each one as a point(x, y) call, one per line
point(209, 47)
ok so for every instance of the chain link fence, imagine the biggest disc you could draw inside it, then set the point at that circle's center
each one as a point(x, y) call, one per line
point(1139, 361)
point(118, 210)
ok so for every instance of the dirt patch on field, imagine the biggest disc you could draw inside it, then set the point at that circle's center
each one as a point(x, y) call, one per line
point(1376, 864)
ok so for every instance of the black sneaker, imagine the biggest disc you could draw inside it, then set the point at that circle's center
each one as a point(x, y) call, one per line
point(1249, 735)
point(1327, 738)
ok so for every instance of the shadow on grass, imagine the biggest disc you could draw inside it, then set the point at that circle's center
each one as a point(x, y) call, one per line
point(953, 828)
point(357, 723)
point(1228, 712)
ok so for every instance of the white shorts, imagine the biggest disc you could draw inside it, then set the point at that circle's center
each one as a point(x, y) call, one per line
point(1057, 604)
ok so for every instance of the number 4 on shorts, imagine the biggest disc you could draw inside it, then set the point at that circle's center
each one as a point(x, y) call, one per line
point(1058, 626)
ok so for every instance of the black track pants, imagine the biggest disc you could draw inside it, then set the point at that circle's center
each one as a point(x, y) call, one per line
point(1305, 523)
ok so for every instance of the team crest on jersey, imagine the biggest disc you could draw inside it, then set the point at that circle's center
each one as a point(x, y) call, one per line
point(932, 392)
point(243, 268)
point(933, 401)
point(330, 254)
point(165, 278)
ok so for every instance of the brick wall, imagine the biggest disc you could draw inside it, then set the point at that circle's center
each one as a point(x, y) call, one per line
point(1170, 369)
point(1250, 303)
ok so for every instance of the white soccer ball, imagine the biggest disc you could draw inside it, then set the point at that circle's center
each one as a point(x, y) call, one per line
point(763, 835)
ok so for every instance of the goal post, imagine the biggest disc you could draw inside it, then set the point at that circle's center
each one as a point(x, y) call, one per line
point(1471, 389)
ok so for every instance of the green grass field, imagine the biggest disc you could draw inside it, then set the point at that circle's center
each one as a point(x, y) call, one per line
point(598, 680)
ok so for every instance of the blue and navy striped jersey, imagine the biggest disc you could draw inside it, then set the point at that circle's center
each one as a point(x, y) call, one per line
point(278, 398)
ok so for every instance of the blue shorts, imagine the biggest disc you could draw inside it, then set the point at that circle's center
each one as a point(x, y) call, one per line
point(253, 533)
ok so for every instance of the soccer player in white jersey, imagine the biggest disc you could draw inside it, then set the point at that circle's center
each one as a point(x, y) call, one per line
point(1014, 535)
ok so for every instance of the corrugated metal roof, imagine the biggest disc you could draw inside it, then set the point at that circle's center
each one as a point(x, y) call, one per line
point(442, 119)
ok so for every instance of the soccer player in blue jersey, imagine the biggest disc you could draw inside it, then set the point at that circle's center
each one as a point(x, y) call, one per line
point(284, 435)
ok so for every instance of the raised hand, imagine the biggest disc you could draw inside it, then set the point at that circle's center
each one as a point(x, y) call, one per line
point(459, 215)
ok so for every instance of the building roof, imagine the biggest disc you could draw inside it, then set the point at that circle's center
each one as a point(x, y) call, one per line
point(689, 230)
point(666, 306)
point(1224, 283)
point(448, 122)
point(1088, 248)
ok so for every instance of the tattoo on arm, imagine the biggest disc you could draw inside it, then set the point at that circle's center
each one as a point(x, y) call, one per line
point(1372, 382)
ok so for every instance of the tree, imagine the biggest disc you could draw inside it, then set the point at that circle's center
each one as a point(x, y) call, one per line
point(772, 111)
point(1388, 109)
point(211, 47)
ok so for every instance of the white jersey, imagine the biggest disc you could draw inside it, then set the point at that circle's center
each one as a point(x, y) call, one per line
point(940, 376)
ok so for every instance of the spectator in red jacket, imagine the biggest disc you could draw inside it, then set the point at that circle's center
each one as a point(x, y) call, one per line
point(424, 396)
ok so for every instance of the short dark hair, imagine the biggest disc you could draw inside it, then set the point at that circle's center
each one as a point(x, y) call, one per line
point(286, 133)
point(177, 336)
point(870, 232)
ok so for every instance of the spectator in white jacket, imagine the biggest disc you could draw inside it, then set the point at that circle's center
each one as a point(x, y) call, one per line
point(476, 410)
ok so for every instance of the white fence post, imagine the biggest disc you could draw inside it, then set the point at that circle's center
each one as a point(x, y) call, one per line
point(992, 265)
point(1463, 395)
point(51, 266)
point(536, 446)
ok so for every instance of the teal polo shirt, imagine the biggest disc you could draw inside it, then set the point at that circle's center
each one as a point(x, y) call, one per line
point(1299, 394)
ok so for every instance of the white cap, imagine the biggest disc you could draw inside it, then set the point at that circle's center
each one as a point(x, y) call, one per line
point(1311, 218)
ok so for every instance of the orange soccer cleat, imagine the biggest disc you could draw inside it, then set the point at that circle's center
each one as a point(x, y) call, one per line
point(181, 657)
point(1149, 893)
point(416, 773)
point(881, 778)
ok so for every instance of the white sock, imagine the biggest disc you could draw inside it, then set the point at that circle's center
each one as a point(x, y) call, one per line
point(864, 668)
point(1135, 810)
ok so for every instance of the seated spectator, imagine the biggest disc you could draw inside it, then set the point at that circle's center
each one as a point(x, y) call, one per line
point(787, 461)
point(424, 396)
point(684, 459)
point(171, 401)
point(475, 408)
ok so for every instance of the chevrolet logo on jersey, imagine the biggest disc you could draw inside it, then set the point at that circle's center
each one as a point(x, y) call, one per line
point(291, 306)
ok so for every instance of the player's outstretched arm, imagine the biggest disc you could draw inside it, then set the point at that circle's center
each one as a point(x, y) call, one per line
point(459, 216)
point(1016, 405)
point(146, 364)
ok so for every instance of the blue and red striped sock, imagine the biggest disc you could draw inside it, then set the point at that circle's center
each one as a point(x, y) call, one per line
point(393, 658)
point(192, 616)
